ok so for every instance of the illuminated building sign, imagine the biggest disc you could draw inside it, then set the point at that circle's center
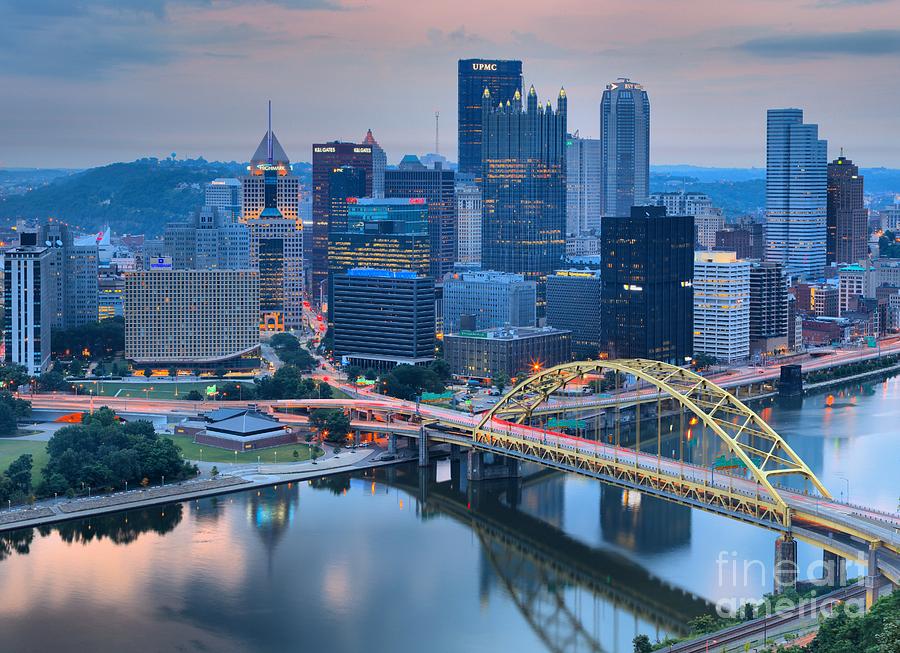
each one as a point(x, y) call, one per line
point(269, 166)
point(161, 263)
point(324, 149)
point(416, 200)
point(362, 150)
point(484, 66)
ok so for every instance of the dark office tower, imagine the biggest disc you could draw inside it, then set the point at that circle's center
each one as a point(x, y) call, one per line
point(847, 216)
point(625, 140)
point(524, 162)
point(270, 156)
point(646, 295)
point(383, 318)
point(769, 319)
point(346, 183)
point(573, 304)
point(73, 276)
point(738, 241)
point(437, 186)
point(327, 157)
point(502, 79)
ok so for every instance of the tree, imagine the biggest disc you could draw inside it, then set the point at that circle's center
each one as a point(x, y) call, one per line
point(409, 381)
point(501, 380)
point(8, 424)
point(13, 376)
point(702, 361)
point(353, 372)
point(441, 368)
point(642, 644)
point(91, 341)
point(19, 473)
point(333, 425)
point(194, 395)
point(53, 381)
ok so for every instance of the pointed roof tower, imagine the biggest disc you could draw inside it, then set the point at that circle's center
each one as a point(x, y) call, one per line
point(269, 153)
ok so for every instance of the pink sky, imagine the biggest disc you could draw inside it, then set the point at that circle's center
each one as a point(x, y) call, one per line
point(95, 82)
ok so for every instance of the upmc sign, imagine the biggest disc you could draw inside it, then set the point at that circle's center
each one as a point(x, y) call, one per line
point(484, 66)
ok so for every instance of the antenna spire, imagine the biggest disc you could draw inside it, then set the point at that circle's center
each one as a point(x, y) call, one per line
point(269, 150)
point(437, 141)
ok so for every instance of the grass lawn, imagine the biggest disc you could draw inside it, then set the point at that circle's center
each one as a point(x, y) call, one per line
point(10, 449)
point(210, 454)
point(143, 389)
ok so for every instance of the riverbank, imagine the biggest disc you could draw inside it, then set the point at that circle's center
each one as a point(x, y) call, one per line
point(237, 479)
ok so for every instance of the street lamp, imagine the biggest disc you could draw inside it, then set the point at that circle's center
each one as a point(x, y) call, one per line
point(847, 481)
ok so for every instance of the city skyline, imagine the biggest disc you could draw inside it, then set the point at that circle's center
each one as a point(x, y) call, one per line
point(151, 80)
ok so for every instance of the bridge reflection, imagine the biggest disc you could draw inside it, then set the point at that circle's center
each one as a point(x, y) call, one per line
point(574, 596)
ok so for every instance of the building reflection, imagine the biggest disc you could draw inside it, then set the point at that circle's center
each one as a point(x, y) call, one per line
point(642, 523)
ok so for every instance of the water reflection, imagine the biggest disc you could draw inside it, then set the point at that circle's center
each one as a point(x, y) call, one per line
point(395, 561)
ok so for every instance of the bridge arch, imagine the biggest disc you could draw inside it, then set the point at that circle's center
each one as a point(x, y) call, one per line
point(759, 447)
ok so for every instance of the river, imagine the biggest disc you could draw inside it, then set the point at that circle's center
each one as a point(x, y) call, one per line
point(393, 561)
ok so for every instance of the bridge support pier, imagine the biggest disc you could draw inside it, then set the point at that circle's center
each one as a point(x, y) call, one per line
point(485, 466)
point(423, 447)
point(455, 452)
point(834, 569)
point(785, 563)
point(871, 576)
point(392, 443)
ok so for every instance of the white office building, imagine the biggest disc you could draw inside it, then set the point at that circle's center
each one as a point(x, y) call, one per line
point(468, 222)
point(721, 306)
point(28, 307)
point(796, 194)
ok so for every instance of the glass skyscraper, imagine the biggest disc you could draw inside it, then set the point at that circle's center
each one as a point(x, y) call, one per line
point(502, 79)
point(524, 185)
point(796, 193)
point(646, 291)
point(847, 215)
point(625, 141)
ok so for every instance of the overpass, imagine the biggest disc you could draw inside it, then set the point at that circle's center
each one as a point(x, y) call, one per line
point(756, 492)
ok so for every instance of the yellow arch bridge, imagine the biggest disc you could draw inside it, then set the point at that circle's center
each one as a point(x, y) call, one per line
point(755, 490)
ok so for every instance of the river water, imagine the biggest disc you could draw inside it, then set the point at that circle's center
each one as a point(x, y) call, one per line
point(394, 561)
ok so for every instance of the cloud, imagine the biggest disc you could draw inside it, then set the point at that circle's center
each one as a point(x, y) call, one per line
point(848, 3)
point(92, 39)
point(455, 38)
point(865, 43)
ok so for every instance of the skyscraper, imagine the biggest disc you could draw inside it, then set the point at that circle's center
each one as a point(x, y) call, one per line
point(208, 240)
point(847, 215)
point(573, 304)
point(72, 288)
point(769, 322)
point(276, 250)
point(436, 185)
point(383, 318)
point(468, 220)
point(224, 194)
point(326, 158)
point(625, 139)
point(347, 183)
point(270, 156)
point(502, 79)
point(796, 193)
point(486, 300)
point(27, 307)
point(524, 169)
point(721, 306)
point(379, 163)
point(583, 184)
point(646, 292)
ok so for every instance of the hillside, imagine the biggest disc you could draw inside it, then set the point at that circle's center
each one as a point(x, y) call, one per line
point(136, 197)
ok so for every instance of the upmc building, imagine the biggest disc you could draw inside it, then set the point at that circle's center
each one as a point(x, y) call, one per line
point(502, 79)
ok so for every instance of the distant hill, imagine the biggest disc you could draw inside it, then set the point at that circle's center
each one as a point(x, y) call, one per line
point(143, 195)
point(136, 197)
